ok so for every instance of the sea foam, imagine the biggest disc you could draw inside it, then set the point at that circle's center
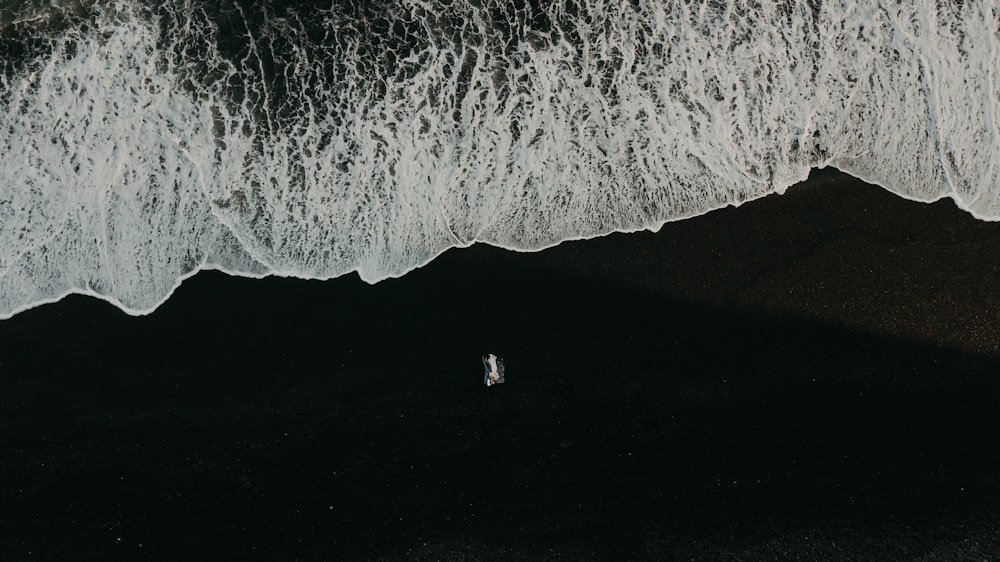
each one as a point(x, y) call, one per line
point(141, 144)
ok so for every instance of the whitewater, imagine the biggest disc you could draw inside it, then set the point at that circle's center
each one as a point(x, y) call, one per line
point(141, 143)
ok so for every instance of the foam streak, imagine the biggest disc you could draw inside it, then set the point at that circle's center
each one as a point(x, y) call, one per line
point(140, 144)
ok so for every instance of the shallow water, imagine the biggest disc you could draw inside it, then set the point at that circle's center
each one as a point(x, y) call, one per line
point(142, 143)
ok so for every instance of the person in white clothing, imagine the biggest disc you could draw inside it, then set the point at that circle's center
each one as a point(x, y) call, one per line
point(494, 369)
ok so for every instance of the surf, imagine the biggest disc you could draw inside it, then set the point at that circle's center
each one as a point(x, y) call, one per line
point(142, 143)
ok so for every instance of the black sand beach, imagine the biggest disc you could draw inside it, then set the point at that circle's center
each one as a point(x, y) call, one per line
point(809, 376)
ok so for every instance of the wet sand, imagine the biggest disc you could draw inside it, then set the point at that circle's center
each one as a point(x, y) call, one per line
point(812, 376)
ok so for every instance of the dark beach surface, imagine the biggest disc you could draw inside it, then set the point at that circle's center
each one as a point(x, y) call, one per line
point(810, 376)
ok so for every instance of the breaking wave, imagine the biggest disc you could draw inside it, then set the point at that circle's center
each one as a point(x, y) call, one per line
point(142, 143)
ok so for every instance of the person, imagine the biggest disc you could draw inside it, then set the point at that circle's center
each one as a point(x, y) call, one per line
point(494, 370)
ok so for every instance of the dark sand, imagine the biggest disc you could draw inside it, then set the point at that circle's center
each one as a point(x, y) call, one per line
point(810, 376)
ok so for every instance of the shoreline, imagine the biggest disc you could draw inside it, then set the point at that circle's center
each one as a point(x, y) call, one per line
point(939, 241)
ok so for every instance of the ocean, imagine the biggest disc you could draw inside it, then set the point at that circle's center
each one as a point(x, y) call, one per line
point(143, 142)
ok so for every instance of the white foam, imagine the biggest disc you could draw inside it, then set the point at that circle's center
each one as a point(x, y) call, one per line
point(135, 153)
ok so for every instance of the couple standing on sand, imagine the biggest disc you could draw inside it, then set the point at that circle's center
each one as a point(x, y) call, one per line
point(494, 369)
